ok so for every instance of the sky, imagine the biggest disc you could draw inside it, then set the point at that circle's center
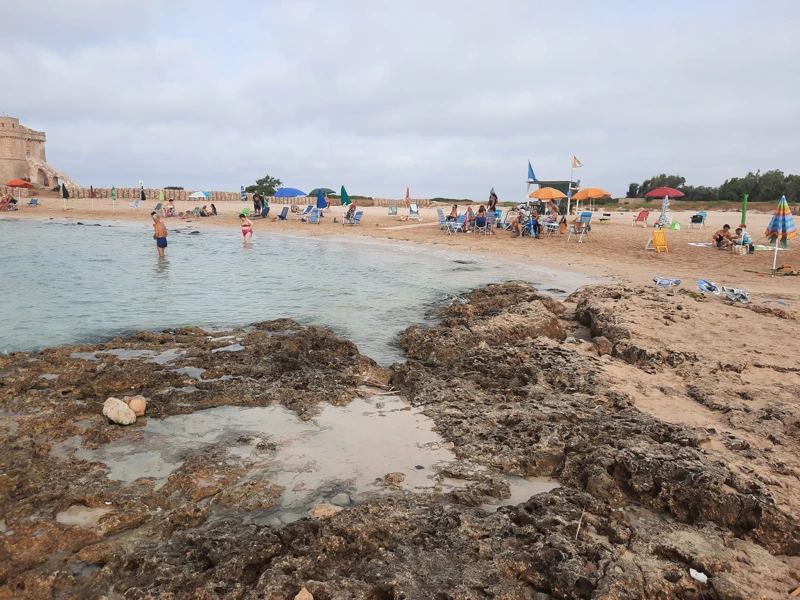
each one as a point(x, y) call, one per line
point(449, 98)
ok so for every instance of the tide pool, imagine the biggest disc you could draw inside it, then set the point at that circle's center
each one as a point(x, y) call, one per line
point(63, 283)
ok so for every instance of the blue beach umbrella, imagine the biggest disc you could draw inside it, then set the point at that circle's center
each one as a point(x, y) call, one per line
point(288, 192)
point(321, 202)
point(244, 195)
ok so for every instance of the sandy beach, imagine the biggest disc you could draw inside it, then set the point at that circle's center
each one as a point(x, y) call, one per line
point(614, 250)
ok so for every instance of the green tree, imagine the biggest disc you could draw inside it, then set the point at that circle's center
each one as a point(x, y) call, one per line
point(266, 186)
point(633, 191)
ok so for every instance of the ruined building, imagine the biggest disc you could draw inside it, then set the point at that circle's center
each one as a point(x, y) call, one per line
point(22, 156)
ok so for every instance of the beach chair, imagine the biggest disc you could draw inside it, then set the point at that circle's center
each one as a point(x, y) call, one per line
point(641, 218)
point(135, 205)
point(158, 208)
point(355, 220)
point(442, 220)
point(33, 202)
point(605, 219)
point(284, 213)
point(196, 211)
point(305, 213)
point(658, 242)
point(699, 219)
point(245, 211)
point(413, 212)
point(13, 205)
point(481, 223)
point(456, 226)
point(393, 211)
point(498, 215)
point(314, 216)
point(582, 228)
point(491, 220)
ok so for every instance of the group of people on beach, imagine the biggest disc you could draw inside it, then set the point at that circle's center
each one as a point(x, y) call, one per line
point(724, 239)
point(7, 202)
point(525, 218)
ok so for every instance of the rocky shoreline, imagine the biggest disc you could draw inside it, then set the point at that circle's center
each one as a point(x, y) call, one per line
point(514, 381)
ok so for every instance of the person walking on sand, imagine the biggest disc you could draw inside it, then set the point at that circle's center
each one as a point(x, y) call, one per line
point(247, 228)
point(160, 235)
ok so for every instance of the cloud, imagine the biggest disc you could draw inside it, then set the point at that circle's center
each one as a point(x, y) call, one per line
point(450, 98)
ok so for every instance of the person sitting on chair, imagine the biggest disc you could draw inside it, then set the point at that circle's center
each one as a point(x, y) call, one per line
point(518, 224)
point(453, 216)
point(351, 212)
point(170, 210)
point(722, 238)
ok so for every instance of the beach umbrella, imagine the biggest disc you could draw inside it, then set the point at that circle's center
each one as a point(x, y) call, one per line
point(65, 192)
point(408, 197)
point(113, 200)
point(547, 193)
point(143, 197)
point(288, 192)
point(345, 197)
point(663, 219)
point(316, 191)
point(200, 195)
point(591, 194)
point(744, 210)
point(321, 202)
point(781, 229)
point(161, 195)
point(244, 195)
point(19, 184)
point(664, 191)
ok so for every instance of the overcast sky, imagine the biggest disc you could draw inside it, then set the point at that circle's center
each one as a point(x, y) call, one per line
point(447, 97)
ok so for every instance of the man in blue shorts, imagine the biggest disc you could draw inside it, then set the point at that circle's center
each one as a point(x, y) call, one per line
point(160, 235)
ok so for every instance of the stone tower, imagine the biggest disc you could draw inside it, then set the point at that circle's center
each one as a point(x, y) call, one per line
point(23, 156)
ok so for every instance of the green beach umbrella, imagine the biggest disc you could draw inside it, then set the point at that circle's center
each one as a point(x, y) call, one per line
point(161, 195)
point(345, 198)
point(326, 191)
point(744, 210)
point(113, 193)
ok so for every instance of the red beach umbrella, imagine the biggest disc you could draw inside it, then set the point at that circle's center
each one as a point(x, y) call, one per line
point(664, 191)
point(19, 183)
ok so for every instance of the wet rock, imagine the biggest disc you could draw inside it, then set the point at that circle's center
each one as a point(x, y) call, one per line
point(118, 412)
point(250, 495)
point(340, 499)
point(138, 404)
point(394, 479)
point(323, 511)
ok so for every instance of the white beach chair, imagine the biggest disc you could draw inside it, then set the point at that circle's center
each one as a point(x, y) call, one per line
point(413, 212)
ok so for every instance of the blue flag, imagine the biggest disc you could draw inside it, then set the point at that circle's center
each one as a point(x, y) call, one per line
point(531, 174)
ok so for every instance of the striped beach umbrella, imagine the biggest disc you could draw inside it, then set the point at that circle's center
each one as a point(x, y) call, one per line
point(243, 194)
point(781, 229)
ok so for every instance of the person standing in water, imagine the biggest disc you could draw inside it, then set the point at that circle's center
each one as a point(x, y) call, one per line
point(247, 228)
point(160, 235)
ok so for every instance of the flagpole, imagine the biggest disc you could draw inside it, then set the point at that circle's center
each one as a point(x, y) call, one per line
point(569, 186)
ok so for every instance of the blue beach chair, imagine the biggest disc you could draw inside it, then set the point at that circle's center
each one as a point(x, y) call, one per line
point(585, 224)
point(314, 216)
point(34, 202)
point(284, 213)
point(393, 211)
point(305, 213)
point(355, 220)
point(413, 212)
point(456, 226)
point(442, 220)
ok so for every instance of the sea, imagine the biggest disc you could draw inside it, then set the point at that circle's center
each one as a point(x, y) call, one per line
point(64, 282)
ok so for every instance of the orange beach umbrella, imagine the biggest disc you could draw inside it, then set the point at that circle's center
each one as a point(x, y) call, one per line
point(591, 194)
point(19, 183)
point(547, 193)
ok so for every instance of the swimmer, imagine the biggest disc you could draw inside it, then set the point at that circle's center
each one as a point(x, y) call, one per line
point(160, 235)
point(247, 228)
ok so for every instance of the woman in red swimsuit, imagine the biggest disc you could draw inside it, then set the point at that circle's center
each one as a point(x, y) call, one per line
point(247, 228)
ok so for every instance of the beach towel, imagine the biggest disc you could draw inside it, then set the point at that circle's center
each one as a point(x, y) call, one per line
point(666, 281)
point(708, 287)
point(755, 246)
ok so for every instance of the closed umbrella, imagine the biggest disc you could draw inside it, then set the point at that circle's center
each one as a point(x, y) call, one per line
point(113, 200)
point(64, 192)
point(244, 195)
point(321, 202)
point(547, 193)
point(744, 210)
point(345, 198)
point(781, 229)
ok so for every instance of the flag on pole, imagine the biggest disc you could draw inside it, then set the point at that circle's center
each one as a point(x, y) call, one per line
point(408, 198)
point(576, 164)
point(531, 174)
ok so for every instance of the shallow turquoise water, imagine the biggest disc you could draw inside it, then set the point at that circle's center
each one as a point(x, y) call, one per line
point(63, 283)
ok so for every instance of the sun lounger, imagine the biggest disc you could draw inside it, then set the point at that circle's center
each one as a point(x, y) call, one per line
point(582, 228)
point(34, 202)
point(442, 220)
point(393, 211)
point(641, 218)
point(314, 216)
point(355, 220)
point(135, 205)
point(413, 212)
point(305, 213)
point(699, 219)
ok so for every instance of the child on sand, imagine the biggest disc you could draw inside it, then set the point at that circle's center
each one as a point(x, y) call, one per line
point(160, 235)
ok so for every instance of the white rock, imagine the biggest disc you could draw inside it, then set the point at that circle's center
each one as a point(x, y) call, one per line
point(701, 577)
point(119, 412)
point(323, 511)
